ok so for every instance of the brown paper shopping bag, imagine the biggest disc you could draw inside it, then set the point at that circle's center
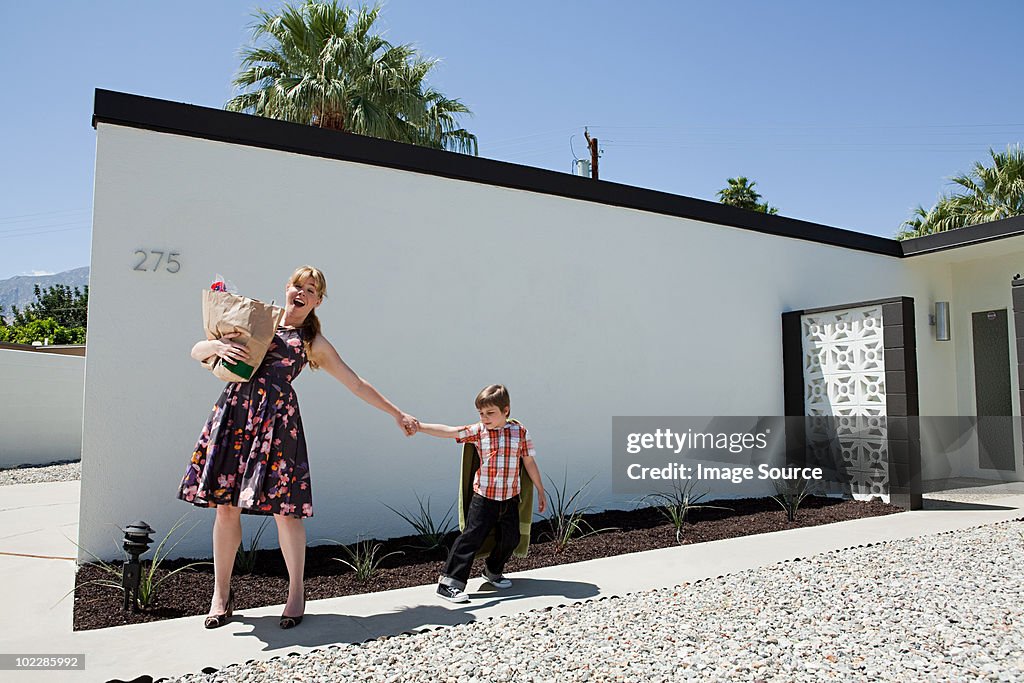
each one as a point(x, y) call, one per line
point(255, 321)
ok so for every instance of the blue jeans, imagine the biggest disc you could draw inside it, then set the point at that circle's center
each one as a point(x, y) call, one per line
point(484, 514)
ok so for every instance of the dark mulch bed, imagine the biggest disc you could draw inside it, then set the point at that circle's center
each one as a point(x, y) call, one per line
point(188, 593)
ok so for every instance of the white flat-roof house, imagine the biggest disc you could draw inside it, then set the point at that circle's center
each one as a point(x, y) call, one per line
point(588, 299)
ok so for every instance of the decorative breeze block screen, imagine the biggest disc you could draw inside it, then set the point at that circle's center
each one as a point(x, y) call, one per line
point(844, 386)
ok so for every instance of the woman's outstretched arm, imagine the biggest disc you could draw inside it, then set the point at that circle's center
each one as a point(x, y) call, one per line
point(326, 356)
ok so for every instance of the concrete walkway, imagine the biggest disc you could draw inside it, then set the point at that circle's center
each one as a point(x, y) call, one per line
point(37, 571)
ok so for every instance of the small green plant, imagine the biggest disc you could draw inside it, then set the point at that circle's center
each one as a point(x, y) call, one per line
point(431, 534)
point(108, 569)
point(149, 582)
point(363, 559)
point(566, 517)
point(676, 504)
point(790, 493)
point(245, 559)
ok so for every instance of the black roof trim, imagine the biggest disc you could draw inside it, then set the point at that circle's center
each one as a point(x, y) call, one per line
point(245, 129)
point(972, 234)
point(854, 304)
point(135, 111)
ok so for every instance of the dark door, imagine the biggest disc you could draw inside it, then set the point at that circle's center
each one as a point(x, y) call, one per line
point(992, 390)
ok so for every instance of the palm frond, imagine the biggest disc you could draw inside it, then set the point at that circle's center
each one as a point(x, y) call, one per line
point(321, 63)
point(983, 194)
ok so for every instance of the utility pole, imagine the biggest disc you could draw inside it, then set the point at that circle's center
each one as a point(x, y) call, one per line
point(592, 144)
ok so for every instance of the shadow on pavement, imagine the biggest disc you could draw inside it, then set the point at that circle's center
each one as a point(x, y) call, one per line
point(941, 504)
point(319, 630)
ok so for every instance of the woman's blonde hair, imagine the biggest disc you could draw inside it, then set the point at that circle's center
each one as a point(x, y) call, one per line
point(311, 327)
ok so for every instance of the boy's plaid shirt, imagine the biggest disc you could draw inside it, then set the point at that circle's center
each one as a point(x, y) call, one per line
point(500, 451)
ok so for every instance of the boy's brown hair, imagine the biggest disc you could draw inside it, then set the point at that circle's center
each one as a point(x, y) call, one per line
point(494, 395)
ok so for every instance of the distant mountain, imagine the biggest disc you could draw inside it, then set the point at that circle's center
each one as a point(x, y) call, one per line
point(20, 290)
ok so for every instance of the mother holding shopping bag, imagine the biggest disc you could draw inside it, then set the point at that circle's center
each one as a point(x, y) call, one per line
point(251, 454)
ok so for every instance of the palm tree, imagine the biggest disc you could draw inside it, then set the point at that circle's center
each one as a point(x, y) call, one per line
point(987, 193)
point(319, 64)
point(440, 129)
point(741, 194)
point(939, 218)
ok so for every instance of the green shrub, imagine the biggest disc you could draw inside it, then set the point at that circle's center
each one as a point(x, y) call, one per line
point(430, 533)
point(565, 518)
point(676, 504)
point(363, 559)
point(245, 559)
point(149, 583)
point(790, 493)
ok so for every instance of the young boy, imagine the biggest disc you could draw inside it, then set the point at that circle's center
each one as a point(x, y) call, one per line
point(502, 445)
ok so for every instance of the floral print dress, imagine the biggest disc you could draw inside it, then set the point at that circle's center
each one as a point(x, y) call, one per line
point(252, 450)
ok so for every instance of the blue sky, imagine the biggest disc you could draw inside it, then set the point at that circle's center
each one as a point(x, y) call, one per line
point(846, 114)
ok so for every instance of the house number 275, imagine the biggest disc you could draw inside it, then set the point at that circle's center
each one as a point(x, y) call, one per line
point(167, 259)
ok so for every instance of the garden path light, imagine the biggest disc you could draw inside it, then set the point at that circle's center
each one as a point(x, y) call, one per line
point(137, 539)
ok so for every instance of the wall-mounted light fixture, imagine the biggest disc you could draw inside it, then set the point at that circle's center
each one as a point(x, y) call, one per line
point(940, 320)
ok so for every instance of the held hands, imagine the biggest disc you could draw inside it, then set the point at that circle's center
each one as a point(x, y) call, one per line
point(407, 423)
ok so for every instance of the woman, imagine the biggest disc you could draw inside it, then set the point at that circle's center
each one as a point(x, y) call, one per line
point(251, 455)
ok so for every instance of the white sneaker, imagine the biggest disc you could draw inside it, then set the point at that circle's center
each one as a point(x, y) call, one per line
point(451, 593)
point(496, 580)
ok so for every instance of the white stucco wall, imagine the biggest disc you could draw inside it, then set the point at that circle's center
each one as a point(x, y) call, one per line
point(612, 312)
point(40, 407)
point(972, 278)
point(983, 285)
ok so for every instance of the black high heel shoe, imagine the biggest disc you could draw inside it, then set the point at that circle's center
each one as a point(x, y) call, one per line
point(218, 620)
point(292, 622)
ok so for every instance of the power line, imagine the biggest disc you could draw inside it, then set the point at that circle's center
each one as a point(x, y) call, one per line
point(810, 145)
point(44, 232)
point(27, 229)
point(817, 126)
point(560, 131)
point(28, 217)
